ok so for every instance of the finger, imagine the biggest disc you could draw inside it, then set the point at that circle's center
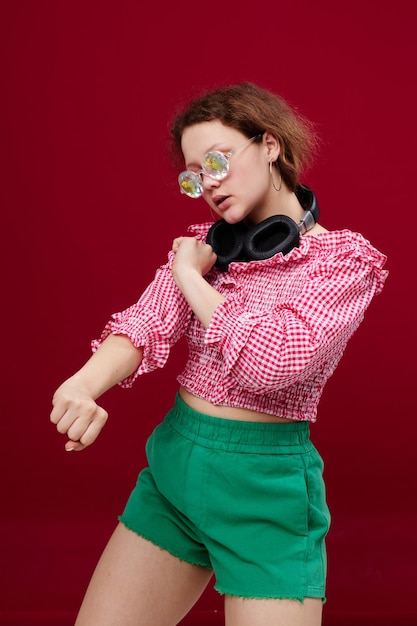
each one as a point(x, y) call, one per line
point(75, 422)
point(92, 432)
point(57, 413)
point(86, 431)
point(176, 243)
point(74, 446)
point(67, 413)
point(78, 429)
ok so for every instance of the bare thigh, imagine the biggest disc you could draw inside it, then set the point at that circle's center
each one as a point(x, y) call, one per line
point(248, 611)
point(136, 583)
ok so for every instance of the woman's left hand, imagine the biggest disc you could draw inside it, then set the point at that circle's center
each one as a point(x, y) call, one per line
point(193, 259)
point(190, 253)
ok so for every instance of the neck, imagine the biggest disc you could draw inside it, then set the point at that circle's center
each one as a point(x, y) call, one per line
point(283, 202)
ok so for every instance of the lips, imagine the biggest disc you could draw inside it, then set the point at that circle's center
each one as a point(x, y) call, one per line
point(218, 200)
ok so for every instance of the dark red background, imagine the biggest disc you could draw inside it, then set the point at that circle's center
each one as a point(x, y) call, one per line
point(89, 207)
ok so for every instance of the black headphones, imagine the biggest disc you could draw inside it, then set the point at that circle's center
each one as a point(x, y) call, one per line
point(279, 233)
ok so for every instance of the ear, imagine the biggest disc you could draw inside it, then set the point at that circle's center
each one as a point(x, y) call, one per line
point(272, 145)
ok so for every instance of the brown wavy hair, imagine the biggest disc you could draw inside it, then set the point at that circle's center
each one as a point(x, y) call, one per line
point(253, 110)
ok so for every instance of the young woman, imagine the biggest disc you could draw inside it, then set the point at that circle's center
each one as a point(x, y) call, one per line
point(234, 485)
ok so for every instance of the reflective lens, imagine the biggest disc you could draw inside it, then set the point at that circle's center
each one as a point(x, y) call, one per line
point(190, 183)
point(216, 165)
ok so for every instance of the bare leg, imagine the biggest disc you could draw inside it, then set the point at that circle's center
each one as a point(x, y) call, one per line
point(138, 584)
point(247, 612)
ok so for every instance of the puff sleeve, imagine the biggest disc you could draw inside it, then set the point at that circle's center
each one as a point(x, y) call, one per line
point(154, 323)
point(306, 334)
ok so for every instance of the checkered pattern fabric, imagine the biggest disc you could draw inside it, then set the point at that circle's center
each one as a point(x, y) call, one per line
point(277, 338)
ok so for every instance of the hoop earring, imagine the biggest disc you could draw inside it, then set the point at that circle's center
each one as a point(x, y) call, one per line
point(272, 178)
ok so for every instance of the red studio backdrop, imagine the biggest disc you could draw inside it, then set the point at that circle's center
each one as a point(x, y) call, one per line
point(89, 207)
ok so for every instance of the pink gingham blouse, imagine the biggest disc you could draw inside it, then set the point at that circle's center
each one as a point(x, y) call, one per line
point(276, 339)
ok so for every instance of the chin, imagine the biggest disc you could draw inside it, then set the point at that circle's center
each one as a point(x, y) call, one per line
point(231, 218)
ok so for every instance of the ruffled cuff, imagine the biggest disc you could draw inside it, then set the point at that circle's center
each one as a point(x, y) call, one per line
point(145, 330)
point(230, 327)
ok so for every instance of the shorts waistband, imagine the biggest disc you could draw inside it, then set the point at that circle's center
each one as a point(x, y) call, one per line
point(221, 433)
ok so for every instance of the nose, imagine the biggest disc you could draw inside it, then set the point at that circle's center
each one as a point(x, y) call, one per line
point(210, 183)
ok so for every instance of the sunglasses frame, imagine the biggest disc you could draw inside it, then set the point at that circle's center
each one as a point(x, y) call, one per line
point(188, 177)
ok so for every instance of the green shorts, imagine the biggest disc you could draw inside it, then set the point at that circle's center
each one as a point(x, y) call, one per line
point(244, 499)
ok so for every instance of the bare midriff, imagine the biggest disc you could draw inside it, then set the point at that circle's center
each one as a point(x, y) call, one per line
point(227, 412)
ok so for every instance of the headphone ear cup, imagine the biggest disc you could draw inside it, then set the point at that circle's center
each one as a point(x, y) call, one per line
point(278, 233)
point(227, 242)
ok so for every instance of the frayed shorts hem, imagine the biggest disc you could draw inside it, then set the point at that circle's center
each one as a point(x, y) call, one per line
point(315, 594)
point(162, 547)
point(312, 593)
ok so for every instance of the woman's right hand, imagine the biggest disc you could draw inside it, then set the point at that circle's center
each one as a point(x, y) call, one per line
point(77, 415)
point(75, 411)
